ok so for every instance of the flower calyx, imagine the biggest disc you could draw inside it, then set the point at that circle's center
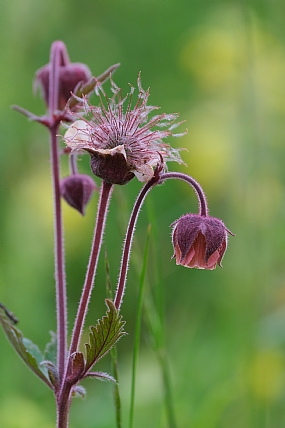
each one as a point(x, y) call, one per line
point(77, 190)
point(70, 75)
point(199, 241)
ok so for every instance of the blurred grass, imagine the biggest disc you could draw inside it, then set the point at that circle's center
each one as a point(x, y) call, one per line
point(221, 65)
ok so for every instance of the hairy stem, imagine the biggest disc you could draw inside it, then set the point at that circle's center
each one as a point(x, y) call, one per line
point(63, 406)
point(55, 59)
point(203, 206)
point(128, 242)
point(105, 194)
point(203, 210)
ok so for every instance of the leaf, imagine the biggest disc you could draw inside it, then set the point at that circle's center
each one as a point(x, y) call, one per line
point(52, 373)
point(12, 318)
point(27, 350)
point(104, 335)
point(105, 377)
point(50, 353)
point(86, 88)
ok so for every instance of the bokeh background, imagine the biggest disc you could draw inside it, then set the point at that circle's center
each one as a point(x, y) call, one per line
point(221, 65)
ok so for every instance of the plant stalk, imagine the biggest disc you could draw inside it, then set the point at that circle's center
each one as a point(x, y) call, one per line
point(55, 60)
point(106, 189)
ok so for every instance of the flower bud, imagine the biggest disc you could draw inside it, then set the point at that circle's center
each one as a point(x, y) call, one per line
point(199, 241)
point(69, 76)
point(77, 190)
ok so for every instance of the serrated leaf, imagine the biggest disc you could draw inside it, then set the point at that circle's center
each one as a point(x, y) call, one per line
point(105, 377)
point(104, 335)
point(50, 353)
point(27, 350)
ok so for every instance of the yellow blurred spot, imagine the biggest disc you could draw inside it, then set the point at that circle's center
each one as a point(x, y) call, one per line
point(266, 375)
point(19, 412)
point(209, 143)
point(229, 59)
point(264, 197)
point(33, 198)
point(211, 56)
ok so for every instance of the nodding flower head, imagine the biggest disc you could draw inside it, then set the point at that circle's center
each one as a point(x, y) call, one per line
point(122, 142)
point(199, 241)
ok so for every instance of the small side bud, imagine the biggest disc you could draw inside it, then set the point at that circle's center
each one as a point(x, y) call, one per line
point(77, 190)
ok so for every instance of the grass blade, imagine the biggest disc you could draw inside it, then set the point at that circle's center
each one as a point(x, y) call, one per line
point(113, 353)
point(138, 326)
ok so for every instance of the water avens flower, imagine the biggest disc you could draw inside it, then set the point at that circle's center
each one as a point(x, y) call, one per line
point(199, 241)
point(122, 143)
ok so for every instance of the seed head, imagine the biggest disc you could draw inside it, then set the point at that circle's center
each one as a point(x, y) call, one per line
point(122, 143)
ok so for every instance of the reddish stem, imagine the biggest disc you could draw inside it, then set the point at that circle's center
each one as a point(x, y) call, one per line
point(105, 194)
point(203, 206)
point(128, 242)
point(63, 406)
point(56, 57)
point(203, 210)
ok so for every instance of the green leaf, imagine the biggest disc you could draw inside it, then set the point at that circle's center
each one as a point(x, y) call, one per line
point(52, 373)
point(86, 88)
point(27, 350)
point(138, 325)
point(113, 353)
point(50, 353)
point(104, 335)
point(105, 377)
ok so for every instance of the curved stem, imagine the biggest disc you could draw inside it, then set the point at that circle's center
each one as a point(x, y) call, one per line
point(91, 270)
point(203, 206)
point(203, 211)
point(128, 242)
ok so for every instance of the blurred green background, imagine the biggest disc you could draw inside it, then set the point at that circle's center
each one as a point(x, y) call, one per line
point(222, 66)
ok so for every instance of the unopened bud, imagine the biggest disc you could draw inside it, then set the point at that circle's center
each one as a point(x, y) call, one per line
point(199, 241)
point(77, 190)
point(69, 77)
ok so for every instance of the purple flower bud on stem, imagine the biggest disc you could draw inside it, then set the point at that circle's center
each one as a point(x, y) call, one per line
point(199, 241)
point(70, 74)
point(77, 190)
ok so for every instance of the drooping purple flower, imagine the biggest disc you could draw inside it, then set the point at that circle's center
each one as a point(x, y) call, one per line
point(122, 142)
point(199, 241)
